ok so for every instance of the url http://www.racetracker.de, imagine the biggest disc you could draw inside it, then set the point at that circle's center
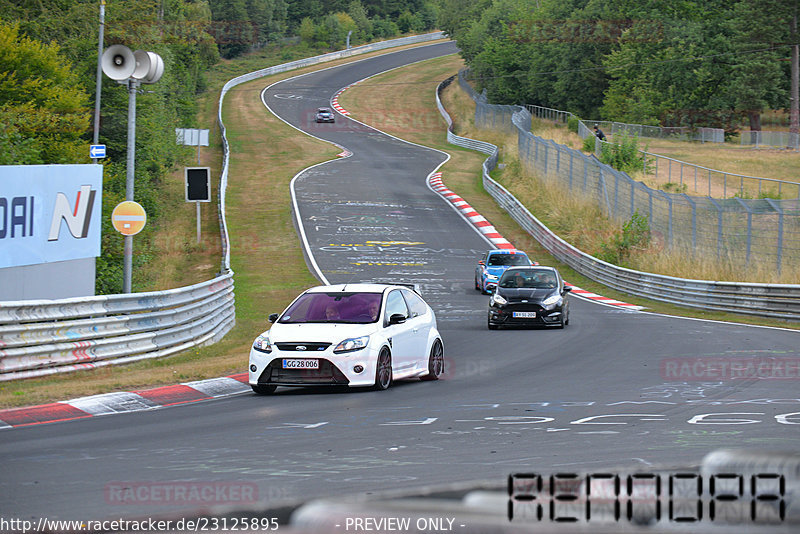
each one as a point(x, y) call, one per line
point(196, 524)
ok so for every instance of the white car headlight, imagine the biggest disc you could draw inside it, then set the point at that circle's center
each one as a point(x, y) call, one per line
point(498, 300)
point(551, 302)
point(351, 344)
point(262, 344)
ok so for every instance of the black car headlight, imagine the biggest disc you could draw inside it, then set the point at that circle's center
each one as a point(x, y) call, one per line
point(552, 301)
point(497, 300)
point(351, 344)
point(262, 344)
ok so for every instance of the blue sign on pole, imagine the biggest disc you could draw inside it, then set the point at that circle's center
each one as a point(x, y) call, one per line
point(97, 151)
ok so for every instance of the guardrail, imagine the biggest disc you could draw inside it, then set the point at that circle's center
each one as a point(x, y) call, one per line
point(44, 337)
point(765, 300)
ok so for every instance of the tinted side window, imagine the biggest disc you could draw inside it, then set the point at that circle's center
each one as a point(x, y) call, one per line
point(396, 304)
point(415, 303)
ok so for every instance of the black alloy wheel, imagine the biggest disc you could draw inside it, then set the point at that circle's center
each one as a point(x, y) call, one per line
point(435, 362)
point(383, 370)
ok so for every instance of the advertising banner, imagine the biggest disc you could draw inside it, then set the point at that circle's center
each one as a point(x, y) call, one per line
point(49, 213)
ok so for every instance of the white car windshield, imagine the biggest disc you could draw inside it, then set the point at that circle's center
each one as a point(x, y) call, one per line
point(334, 307)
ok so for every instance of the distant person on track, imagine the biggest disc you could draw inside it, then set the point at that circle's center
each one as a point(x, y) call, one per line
point(599, 133)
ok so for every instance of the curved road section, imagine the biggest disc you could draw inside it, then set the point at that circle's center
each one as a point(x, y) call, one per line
point(615, 389)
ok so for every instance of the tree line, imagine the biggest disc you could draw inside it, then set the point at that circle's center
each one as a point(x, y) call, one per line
point(717, 63)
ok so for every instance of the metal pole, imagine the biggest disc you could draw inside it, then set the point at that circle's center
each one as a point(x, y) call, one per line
point(99, 84)
point(198, 221)
point(133, 86)
point(794, 113)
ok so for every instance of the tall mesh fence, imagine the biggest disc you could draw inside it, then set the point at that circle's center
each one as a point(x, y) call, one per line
point(747, 230)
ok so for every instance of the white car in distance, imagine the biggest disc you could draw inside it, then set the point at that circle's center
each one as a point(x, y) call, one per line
point(357, 335)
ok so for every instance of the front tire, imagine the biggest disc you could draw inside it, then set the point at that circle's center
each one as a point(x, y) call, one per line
point(264, 389)
point(435, 362)
point(383, 370)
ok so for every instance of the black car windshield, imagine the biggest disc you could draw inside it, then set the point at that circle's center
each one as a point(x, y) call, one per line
point(334, 307)
point(534, 279)
point(508, 259)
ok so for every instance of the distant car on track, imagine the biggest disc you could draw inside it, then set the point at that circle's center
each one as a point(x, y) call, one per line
point(494, 263)
point(325, 115)
point(351, 334)
point(534, 295)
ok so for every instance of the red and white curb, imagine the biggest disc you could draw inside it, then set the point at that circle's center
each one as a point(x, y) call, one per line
point(335, 99)
point(601, 299)
point(486, 228)
point(125, 401)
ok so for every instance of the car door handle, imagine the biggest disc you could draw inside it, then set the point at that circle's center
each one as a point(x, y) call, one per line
point(415, 330)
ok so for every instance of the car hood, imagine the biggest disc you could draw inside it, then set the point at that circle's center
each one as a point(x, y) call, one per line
point(496, 270)
point(525, 293)
point(318, 332)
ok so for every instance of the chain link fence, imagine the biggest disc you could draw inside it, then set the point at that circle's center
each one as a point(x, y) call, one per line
point(771, 139)
point(747, 230)
point(680, 175)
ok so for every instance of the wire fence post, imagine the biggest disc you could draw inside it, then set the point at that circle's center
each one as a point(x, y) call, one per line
point(779, 245)
point(694, 220)
point(719, 226)
point(749, 229)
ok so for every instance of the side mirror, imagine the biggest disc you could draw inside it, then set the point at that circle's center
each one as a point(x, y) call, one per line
point(397, 318)
point(567, 289)
point(481, 262)
point(272, 317)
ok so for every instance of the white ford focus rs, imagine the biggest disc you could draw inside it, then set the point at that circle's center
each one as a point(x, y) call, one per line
point(351, 334)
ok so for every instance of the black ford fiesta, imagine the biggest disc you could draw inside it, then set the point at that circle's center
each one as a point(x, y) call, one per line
point(532, 296)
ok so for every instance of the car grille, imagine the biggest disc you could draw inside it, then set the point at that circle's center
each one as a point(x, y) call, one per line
point(516, 305)
point(309, 347)
point(326, 374)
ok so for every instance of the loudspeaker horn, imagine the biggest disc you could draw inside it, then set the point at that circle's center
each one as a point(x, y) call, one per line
point(118, 62)
point(149, 66)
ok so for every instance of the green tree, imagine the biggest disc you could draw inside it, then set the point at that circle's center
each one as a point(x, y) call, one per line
point(358, 13)
point(759, 79)
point(43, 109)
point(410, 22)
point(307, 30)
point(234, 32)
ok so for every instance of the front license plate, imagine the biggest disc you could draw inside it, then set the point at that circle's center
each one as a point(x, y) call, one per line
point(301, 364)
point(524, 315)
